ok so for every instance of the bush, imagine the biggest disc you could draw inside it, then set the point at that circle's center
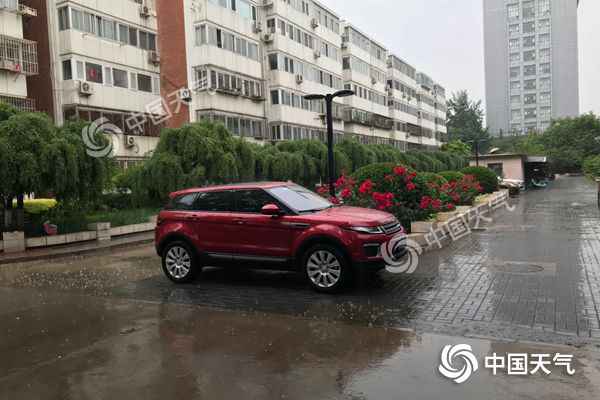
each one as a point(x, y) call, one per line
point(430, 177)
point(591, 166)
point(37, 206)
point(452, 176)
point(395, 189)
point(485, 176)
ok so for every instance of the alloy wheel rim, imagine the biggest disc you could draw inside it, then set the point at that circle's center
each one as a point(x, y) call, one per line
point(324, 269)
point(178, 262)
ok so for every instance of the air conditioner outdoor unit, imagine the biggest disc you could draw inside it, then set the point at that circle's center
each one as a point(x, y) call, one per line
point(317, 54)
point(267, 38)
point(154, 57)
point(257, 27)
point(299, 79)
point(315, 23)
point(145, 11)
point(373, 80)
point(185, 95)
point(267, 3)
point(344, 45)
point(130, 141)
point(86, 89)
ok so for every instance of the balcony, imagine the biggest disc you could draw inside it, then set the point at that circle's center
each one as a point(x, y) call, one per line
point(16, 7)
point(18, 55)
point(21, 104)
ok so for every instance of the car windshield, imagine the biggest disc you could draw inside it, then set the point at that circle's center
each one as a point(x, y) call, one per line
point(300, 199)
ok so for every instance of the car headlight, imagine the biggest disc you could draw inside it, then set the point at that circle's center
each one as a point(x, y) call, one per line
point(367, 229)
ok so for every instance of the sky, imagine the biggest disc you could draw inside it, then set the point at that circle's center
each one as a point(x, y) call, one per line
point(444, 39)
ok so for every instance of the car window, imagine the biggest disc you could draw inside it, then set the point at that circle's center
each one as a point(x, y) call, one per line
point(300, 199)
point(182, 203)
point(253, 200)
point(214, 201)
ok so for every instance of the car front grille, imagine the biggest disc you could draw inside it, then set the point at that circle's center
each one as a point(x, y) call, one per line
point(392, 227)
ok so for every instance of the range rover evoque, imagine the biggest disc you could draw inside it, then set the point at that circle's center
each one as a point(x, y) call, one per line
point(272, 225)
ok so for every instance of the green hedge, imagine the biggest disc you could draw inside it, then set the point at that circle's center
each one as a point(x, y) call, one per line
point(591, 166)
point(485, 176)
point(452, 176)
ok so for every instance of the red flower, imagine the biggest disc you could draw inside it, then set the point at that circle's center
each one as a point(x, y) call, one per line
point(436, 204)
point(425, 202)
point(399, 170)
point(334, 200)
point(340, 182)
point(450, 207)
point(410, 186)
point(383, 200)
point(366, 187)
point(389, 178)
point(346, 193)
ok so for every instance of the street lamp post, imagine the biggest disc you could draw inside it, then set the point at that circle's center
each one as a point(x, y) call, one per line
point(328, 98)
point(476, 143)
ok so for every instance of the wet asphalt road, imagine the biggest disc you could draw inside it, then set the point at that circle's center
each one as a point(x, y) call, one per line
point(104, 326)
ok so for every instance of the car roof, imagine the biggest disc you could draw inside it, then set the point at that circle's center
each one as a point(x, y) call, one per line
point(235, 186)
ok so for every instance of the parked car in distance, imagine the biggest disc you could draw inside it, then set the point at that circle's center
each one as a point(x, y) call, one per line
point(272, 225)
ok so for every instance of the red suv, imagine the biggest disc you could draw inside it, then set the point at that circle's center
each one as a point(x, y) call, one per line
point(274, 225)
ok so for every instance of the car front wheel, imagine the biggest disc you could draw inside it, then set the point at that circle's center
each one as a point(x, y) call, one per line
point(326, 268)
point(179, 262)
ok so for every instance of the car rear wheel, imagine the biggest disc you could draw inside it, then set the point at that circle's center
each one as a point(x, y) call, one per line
point(179, 262)
point(326, 268)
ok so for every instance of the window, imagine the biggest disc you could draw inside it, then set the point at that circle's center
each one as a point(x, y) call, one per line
point(107, 76)
point(300, 199)
point(252, 201)
point(529, 41)
point(530, 113)
point(514, 44)
point(274, 97)
point(183, 203)
point(544, 40)
point(63, 18)
point(515, 100)
point(123, 33)
point(530, 84)
point(77, 17)
point(515, 72)
point(144, 83)
point(529, 56)
point(515, 57)
point(528, 9)
point(545, 68)
point(545, 55)
point(93, 73)
point(514, 29)
point(133, 37)
point(120, 78)
point(513, 11)
point(67, 70)
point(214, 201)
point(498, 168)
point(529, 27)
point(109, 29)
point(529, 70)
point(80, 71)
point(545, 84)
point(530, 99)
point(545, 97)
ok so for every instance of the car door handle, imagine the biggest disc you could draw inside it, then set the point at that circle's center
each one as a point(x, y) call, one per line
point(239, 222)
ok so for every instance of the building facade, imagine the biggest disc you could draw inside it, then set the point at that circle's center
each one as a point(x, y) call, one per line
point(249, 64)
point(18, 56)
point(101, 62)
point(531, 62)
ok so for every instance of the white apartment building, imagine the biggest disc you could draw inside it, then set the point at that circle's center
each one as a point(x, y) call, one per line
point(250, 63)
point(367, 113)
point(103, 61)
point(225, 65)
point(18, 57)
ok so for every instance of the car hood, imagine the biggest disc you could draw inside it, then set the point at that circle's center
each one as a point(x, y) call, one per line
point(354, 216)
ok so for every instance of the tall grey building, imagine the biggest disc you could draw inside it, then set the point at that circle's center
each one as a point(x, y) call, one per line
point(531, 63)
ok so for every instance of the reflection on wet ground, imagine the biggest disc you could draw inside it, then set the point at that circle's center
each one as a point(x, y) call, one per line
point(73, 346)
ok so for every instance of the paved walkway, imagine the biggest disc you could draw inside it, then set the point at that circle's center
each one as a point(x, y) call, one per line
point(47, 253)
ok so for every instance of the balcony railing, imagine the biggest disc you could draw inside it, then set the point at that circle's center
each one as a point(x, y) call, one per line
point(18, 55)
point(21, 104)
point(14, 6)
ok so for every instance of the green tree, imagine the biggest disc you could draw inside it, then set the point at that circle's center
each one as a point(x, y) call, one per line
point(591, 166)
point(465, 118)
point(569, 141)
point(459, 148)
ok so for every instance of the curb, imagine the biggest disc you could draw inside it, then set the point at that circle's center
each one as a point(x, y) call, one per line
point(66, 252)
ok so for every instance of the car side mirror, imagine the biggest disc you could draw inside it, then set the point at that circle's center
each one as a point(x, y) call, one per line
point(272, 210)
